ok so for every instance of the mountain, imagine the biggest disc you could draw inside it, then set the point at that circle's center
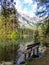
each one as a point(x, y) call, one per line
point(27, 21)
point(41, 14)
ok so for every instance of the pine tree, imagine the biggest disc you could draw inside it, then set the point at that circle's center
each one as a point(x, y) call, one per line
point(10, 21)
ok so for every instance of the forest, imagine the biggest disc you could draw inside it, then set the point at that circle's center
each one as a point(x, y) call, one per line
point(10, 31)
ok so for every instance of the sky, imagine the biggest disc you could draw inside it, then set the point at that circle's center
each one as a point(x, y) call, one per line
point(33, 7)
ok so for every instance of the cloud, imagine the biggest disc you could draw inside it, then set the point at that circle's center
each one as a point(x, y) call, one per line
point(26, 7)
point(28, 1)
point(18, 5)
point(43, 10)
point(32, 8)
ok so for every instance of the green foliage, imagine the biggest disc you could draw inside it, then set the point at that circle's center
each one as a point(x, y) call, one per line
point(47, 27)
point(14, 35)
point(8, 33)
point(8, 22)
point(8, 51)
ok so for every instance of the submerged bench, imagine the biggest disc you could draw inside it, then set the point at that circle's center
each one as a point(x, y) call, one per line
point(32, 50)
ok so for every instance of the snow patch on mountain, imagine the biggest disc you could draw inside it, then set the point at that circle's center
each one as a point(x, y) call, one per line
point(28, 21)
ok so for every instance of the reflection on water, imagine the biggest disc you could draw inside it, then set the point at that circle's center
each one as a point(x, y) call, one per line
point(25, 40)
